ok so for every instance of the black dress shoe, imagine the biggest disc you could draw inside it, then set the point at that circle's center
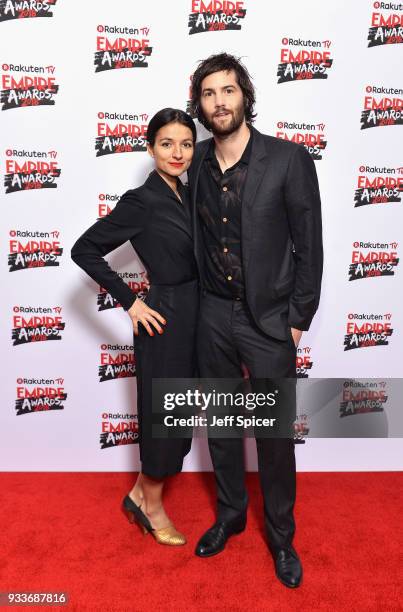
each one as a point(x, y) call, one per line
point(288, 567)
point(215, 538)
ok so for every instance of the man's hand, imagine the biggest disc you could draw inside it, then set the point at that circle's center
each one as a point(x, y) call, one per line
point(296, 335)
point(139, 312)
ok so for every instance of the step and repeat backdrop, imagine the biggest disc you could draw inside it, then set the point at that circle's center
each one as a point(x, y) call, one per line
point(79, 84)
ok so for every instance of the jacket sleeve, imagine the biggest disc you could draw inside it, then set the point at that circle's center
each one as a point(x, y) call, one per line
point(124, 222)
point(305, 221)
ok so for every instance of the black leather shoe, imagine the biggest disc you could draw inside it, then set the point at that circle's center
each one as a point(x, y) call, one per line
point(215, 538)
point(288, 567)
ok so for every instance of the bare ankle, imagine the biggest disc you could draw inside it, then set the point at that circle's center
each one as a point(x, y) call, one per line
point(136, 494)
point(155, 510)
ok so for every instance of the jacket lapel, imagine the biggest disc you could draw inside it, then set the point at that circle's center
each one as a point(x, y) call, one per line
point(157, 184)
point(256, 169)
point(194, 173)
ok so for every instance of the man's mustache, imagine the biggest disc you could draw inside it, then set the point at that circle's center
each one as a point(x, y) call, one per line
point(222, 110)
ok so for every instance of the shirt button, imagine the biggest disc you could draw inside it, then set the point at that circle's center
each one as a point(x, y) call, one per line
point(225, 188)
point(224, 219)
point(225, 250)
point(229, 277)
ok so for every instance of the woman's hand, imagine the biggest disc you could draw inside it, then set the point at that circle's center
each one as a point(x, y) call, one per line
point(139, 312)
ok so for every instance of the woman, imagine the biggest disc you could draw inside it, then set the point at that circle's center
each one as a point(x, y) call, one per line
point(156, 219)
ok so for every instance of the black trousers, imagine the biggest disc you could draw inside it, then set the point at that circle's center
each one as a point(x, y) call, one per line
point(228, 337)
point(169, 355)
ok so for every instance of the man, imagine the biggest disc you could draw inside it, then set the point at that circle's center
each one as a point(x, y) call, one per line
point(258, 244)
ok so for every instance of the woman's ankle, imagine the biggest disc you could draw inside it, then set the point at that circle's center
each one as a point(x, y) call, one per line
point(136, 494)
point(154, 511)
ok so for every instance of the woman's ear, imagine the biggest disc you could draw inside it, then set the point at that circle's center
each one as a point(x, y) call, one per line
point(150, 150)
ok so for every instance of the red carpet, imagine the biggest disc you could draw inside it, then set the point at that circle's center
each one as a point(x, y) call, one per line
point(66, 532)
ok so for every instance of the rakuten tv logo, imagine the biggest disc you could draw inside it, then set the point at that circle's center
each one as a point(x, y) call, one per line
point(118, 430)
point(114, 51)
point(304, 361)
point(303, 60)
point(25, 9)
point(27, 175)
point(25, 254)
point(126, 137)
point(36, 324)
point(139, 284)
point(382, 110)
point(26, 90)
point(378, 185)
point(373, 259)
point(386, 24)
point(39, 395)
point(311, 135)
point(365, 330)
point(116, 361)
point(215, 15)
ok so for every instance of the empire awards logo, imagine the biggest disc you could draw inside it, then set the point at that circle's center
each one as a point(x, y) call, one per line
point(114, 51)
point(121, 133)
point(311, 135)
point(25, 174)
point(25, 9)
point(381, 109)
point(386, 24)
point(367, 329)
point(25, 253)
point(304, 361)
point(139, 285)
point(118, 430)
point(116, 361)
point(378, 185)
point(36, 324)
point(18, 90)
point(105, 201)
point(304, 60)
point(215, 15)
point(363, 397)
point(39, 395)
point(373, 259)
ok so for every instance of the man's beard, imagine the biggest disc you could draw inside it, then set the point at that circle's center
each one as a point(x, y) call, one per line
point(237, 118)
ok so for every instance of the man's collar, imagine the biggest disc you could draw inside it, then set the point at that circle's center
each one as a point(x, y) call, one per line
point(245, 155)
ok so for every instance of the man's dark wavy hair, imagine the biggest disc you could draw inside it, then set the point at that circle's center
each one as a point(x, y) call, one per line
point(216, 63)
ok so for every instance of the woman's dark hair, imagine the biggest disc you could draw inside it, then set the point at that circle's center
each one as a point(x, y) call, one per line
point(169, 115)
point(216, 63)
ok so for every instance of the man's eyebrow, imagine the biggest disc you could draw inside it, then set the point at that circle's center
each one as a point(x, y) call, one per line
point(223, 87)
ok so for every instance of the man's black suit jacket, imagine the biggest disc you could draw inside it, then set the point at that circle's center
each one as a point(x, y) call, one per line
point(281, 233)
